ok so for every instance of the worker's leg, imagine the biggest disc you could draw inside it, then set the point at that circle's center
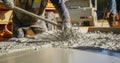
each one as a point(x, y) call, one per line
point(51, 17)
point(42, 6)
point(111, 20)
point(63, 12)
point(17, 29)
point(39, 27)
point(114, 21)
point(40, 24)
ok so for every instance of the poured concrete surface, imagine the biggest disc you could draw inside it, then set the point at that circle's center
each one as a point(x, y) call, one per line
point(98, 40)
point(52, 55)
point(12, 52)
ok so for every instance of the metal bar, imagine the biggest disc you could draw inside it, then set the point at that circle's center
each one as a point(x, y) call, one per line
point(95, 4)
point(33, 15)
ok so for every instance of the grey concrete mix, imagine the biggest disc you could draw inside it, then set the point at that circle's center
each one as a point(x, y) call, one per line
point(58, 39)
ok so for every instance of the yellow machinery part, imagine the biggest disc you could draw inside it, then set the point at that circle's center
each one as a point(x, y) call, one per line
point(50, 6)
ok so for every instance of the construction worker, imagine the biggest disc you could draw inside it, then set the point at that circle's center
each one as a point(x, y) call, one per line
point(111, 12)
point(23, 22)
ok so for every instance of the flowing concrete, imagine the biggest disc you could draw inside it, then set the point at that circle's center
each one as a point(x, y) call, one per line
point(96, 40)
point(97, 46)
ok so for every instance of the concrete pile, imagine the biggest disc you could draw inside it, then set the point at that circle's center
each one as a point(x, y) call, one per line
point(57, 39)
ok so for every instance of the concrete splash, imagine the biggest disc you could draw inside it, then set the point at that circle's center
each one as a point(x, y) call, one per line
point(57, 39)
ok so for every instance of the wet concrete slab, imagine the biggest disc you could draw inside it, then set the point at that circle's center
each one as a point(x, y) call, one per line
point(58, 55)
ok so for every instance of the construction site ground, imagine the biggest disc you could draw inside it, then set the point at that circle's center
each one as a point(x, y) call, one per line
point(100, 39)
point(97, 42)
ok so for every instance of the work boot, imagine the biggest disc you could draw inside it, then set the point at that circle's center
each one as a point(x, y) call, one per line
point(28, 32)
point(39, 27)
point(20, 33)
point(66, 26)
point(112, 23)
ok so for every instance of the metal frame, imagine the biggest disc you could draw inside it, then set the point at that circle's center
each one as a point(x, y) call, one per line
point(80, 10)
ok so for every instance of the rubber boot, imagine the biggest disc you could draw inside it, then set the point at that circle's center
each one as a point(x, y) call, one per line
point(39, 27)
point(20, 33)
point(66, 26)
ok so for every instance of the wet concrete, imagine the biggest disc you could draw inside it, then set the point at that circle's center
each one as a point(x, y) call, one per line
point(53, 55)
point(96, 40)
point(105, 45)
point(102, 51)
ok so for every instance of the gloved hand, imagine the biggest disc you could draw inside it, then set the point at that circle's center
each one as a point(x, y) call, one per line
point(8, 3)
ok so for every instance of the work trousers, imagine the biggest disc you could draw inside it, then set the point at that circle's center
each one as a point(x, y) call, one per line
point(61, 9)
point(22, 22)
point(111, 20)
point(58, 4)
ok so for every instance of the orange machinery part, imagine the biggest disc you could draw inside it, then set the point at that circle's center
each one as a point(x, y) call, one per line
point(5, 28)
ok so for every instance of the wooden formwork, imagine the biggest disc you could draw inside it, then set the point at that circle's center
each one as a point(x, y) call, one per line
point(5, 23)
